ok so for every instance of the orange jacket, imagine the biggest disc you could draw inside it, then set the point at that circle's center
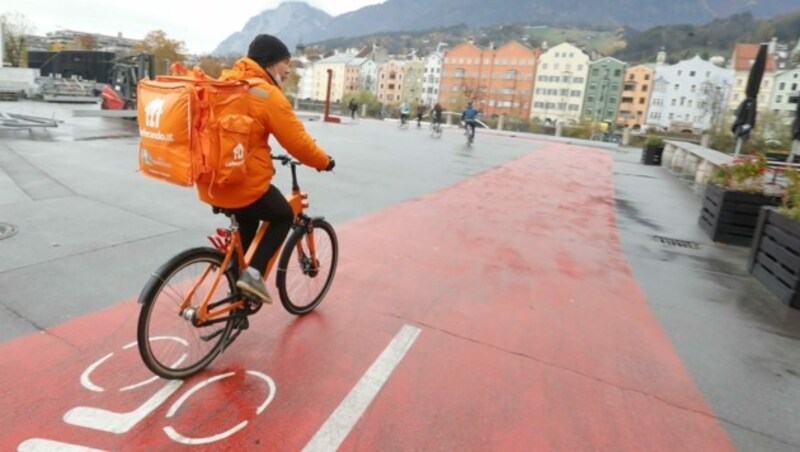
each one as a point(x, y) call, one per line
point(273, 115)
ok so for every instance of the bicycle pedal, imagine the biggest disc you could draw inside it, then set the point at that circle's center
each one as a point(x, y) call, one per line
point(242, 324)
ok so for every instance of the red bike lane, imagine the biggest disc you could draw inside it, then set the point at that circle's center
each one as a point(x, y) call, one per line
point(524, 328)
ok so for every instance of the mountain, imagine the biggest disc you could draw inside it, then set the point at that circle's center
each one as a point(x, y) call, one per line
point(293, 22)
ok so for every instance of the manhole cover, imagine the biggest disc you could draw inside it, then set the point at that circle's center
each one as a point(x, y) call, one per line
point(7, 230)
point(676, 242)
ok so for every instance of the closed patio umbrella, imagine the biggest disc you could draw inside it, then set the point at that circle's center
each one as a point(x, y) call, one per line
point(746, 112)
point(795, 130)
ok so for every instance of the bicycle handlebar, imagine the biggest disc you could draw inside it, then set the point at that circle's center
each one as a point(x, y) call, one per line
point(285, 159)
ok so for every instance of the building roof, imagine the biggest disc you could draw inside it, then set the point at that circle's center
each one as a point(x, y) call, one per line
point(338, 58)
point(608, 58)
point(745, 54)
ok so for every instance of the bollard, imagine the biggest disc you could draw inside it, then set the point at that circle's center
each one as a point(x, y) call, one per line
point(626, 136)
point(363, 110)
point(500, 122)
point(559, 128)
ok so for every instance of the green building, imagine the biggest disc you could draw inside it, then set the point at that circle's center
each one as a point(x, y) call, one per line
point(603, 90)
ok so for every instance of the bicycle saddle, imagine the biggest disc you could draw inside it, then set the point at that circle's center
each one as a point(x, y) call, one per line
point(226, 212)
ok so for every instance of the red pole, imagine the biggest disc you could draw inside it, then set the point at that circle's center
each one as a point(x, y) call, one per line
point(328, 117)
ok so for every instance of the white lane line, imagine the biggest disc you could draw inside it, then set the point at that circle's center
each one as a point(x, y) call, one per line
point(344, 417)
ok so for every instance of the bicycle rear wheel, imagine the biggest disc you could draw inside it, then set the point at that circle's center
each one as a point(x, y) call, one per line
point(302, 283)
point(171, 346)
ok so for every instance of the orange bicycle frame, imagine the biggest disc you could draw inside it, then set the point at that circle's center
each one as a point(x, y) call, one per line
point(229, 241)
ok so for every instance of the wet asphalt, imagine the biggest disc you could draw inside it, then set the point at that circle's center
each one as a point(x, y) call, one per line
point(89, 230)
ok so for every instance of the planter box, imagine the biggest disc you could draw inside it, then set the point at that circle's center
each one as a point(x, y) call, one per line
point(651, 155)
point(731, 216)
point(775, 255)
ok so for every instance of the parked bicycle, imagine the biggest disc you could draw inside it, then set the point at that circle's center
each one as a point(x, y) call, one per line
point(191, 308)
point(608, 137)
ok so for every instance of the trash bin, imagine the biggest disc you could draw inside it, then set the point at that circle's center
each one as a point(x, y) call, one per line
point(651, 155)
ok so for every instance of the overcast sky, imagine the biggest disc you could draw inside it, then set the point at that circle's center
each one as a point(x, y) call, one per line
point(201, 25)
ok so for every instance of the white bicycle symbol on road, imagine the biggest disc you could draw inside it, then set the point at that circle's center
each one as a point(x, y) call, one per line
point(100, 419)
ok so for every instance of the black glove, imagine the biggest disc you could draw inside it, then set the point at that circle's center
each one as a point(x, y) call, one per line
point(331, 164)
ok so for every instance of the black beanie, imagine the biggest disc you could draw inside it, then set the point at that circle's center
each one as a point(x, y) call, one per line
point(267, 49)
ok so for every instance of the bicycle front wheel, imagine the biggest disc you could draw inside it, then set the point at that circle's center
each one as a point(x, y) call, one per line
point(303, 277)
point(170, 344)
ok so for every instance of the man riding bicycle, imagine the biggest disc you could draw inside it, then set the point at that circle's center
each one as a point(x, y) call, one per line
point(405, 109)
point(255, 199)
point(437, 115)
point(469, 116)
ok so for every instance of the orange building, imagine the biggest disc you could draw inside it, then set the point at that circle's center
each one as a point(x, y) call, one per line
point(635, 98)
point(390, 82)
point(499, 81)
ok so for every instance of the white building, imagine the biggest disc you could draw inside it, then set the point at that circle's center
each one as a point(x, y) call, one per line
point(305, 90)
point(560, 84)
point(432, 77)
point(367, 74)
point(688, 95)
point(785, 86)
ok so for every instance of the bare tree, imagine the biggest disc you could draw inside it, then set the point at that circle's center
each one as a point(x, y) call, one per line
point(15, 28)
point(85, 41)
point(165, 50)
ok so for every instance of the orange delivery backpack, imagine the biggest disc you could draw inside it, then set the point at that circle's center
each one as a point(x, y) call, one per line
point(193, 128)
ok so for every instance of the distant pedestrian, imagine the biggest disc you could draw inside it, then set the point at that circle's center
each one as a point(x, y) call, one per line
point(353, 107)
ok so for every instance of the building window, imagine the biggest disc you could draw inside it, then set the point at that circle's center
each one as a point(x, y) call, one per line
point(691, 73)
point(647, 76)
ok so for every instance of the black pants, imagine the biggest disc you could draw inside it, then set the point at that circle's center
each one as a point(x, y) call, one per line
point(272, 207)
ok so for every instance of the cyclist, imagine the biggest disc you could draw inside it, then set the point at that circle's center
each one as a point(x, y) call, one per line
point(404, 111)
point(468, 116)
point(420, 113)
point(437, 115)
point(255, 199)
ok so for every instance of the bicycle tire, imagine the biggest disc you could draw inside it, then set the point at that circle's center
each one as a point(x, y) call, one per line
point(155, 327)
point(294, 267)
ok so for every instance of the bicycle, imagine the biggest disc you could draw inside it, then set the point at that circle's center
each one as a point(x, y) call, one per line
point(469, 127)
point(608, 137)
point(188, 318)
point(403, 121)
point(436, 129)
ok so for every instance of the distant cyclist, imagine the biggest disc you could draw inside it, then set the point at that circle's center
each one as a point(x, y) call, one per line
point(405, 110)
point(469, 116)
point(437, 115)
point(420, 113)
